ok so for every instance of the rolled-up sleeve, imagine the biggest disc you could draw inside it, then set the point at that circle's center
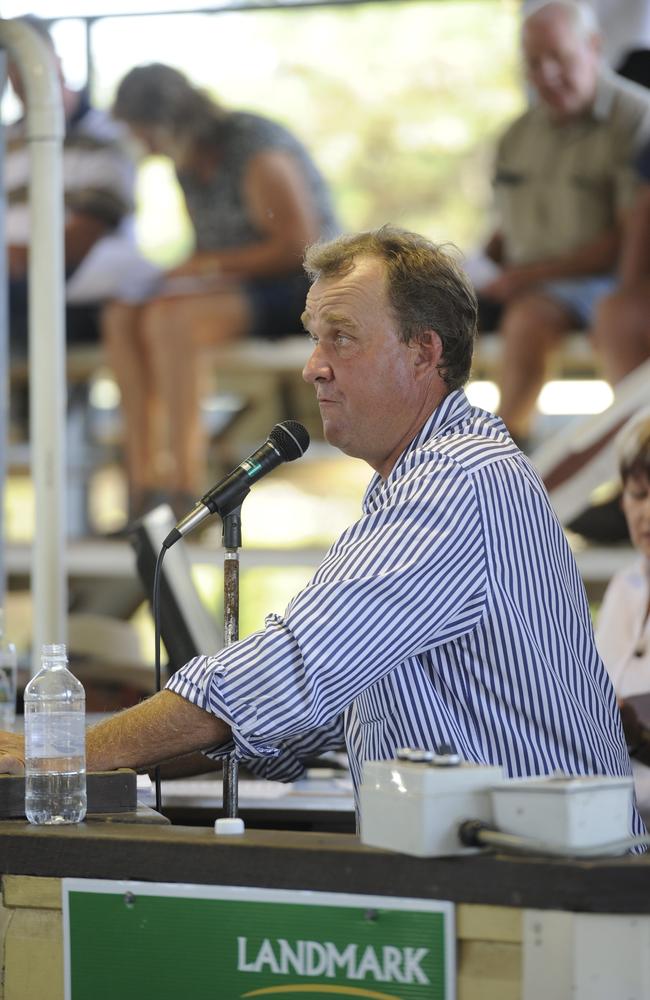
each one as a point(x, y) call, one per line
point(409, 575)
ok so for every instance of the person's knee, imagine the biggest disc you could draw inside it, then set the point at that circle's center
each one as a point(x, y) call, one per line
point(161, 324)
point(534, 324)
point(612, 307)
point(117, 321)
point(620, 317)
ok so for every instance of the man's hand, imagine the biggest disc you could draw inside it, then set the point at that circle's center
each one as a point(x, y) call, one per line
point(12, 753)
point(511, 282)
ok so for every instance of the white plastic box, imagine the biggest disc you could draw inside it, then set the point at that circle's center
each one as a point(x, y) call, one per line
point(565, 812)
point(417, 808)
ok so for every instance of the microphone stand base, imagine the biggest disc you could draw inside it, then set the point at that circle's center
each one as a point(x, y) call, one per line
point(229, 826)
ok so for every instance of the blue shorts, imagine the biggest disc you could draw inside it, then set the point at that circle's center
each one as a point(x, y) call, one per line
point(277, 305)
point(579, 296)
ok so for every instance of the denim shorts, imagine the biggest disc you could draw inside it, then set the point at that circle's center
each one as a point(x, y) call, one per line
point(580, 295)
point(277, 305)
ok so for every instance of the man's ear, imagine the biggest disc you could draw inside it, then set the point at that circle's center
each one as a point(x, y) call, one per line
point(427, 353)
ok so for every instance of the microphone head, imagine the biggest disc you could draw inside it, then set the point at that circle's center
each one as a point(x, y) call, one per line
point(290, 438)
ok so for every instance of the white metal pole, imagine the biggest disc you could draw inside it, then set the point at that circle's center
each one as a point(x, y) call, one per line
point(4, 360)
point(47, 383)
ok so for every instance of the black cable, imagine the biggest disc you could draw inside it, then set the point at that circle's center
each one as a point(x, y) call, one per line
point(155, 606)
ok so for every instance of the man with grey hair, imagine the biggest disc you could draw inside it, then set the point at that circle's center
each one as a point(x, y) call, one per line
point(563, 179)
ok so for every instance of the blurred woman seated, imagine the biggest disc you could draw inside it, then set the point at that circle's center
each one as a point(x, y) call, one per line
point(623, 632)
point(255, 200)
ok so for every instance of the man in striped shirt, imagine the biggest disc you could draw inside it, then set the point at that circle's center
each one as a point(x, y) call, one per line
point(451, 612)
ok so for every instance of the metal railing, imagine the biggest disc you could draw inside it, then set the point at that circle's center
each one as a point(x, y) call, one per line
point(46, 277)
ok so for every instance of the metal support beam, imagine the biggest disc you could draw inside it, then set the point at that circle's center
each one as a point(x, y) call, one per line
point(45, 130)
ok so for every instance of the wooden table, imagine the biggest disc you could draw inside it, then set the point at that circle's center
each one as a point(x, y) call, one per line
point(502, 903)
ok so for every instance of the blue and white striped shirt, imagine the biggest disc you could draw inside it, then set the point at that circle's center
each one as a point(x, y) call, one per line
point(451, 612)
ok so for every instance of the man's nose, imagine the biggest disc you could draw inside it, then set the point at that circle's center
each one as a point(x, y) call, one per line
point(317, 367)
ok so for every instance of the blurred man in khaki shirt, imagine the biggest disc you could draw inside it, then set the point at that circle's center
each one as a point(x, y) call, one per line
point(564, 176)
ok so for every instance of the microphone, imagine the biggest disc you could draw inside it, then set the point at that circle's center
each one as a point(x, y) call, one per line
point(286, 442)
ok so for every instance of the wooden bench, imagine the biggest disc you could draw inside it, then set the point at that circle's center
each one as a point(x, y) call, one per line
point(280, 363)
point(82, 363)
point(83, 454)
point(269, 376)
point(285, 358)
point(265, 376)
point(574, 359)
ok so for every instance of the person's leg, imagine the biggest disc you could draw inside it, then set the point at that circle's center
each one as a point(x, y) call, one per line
point(621, 332)
point(532, 326)
point(490, 314)
point(178, 332)
point(127, 354)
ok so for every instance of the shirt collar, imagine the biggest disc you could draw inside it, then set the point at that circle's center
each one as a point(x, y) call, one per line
point(601, 109)
point(451, 411)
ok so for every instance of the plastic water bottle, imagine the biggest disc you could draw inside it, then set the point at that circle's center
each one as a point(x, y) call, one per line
point(55, 742)
point(8, 679)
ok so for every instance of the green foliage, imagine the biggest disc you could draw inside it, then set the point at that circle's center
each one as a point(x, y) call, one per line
point(400, 103)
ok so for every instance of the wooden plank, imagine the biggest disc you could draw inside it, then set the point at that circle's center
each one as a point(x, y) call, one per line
point(287, 357)
point(488, 923)
point(82, 362)
point(5, 919)
point(33, 956)
point(108, 792)
point(29, 891)
point(489, 971)
point(575, 357)
point(321, 862)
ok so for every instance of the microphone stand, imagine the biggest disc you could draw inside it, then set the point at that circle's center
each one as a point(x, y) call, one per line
point(231, 536)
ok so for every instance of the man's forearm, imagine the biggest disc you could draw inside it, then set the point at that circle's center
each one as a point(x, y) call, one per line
point(163, 727)
point(600, 256)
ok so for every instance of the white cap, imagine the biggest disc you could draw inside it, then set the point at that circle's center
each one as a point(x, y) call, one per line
point(229, 826)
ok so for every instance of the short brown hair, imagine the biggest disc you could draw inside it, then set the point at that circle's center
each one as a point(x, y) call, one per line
point(427, 288)
point(633, 447)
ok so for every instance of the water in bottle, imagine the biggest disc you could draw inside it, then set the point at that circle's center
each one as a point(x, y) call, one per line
point(8, 679)
point(55, 742)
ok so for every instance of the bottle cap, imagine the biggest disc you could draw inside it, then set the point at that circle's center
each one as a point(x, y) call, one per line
point(55, 649)
point(229, 826)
